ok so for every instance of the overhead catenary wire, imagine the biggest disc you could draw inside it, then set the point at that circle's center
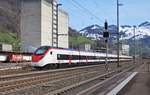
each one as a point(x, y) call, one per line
point(86, 10)
point(76, 6)
point(79, 10)
point(97, 4)
point(75, 12)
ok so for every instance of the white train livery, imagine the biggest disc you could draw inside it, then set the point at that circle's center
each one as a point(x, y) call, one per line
point(46, 55)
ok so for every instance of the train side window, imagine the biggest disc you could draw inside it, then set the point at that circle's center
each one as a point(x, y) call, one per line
point(51, 52)
point(82, 57)
point(62, 57)
point(58, 56)
point(75, 57)
point(69, 57)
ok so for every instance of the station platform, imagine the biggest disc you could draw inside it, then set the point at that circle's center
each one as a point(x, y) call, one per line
point(140, 84)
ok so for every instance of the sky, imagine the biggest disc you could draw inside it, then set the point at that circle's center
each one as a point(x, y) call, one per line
point(83, 13)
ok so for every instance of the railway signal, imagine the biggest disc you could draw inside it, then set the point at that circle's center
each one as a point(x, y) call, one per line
point(106, 36)
point(106, 33)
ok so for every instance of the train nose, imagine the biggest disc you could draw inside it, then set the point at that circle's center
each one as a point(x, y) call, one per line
point(36, 58)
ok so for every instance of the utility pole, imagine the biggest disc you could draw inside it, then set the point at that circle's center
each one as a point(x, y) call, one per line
point(141, 53)
point(134, 27)
point(118, 52)
point(118, 35)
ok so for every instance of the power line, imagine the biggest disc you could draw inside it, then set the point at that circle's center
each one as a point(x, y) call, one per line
point(89, 12)
point(79, 10)
point(77, 7)
point(105, 12)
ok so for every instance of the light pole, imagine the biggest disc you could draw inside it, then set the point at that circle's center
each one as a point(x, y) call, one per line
point(57, 9)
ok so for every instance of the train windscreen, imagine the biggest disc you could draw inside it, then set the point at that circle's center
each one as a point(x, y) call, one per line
point(41, 50)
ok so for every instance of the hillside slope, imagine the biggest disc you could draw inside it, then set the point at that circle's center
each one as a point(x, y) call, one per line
point(9, 15)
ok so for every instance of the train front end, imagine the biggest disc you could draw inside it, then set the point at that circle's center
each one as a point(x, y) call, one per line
point(38, 57)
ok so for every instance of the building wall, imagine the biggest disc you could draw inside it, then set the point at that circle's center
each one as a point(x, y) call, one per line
point(36, 25)
point(63, 21)
point(46, 23)
point(30, 24)
point(85, 47)
point(5, 47)
point(125, 49)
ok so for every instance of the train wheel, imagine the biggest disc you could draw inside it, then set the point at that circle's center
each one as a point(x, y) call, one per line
point(57, 65)
point(38, 68)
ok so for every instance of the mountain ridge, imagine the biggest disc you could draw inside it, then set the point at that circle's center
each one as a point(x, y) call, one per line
point(142, 35)
point(126, 31)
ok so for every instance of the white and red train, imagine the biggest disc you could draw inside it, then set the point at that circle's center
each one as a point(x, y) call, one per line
point(46, 55)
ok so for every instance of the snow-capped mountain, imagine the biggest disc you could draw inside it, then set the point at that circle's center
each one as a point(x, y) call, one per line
point(140, 32)
point(95, 32)
point(145, 24)
point(142, 36)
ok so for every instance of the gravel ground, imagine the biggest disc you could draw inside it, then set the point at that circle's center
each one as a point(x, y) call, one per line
point(140, 85)
point(40, 89)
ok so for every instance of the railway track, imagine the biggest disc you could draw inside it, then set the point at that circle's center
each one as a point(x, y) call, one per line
point(88, 86)
point(15, 70)
point(37, 83)
point(12, 83)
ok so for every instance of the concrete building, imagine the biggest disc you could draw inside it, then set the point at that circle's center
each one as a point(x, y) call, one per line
point(40, 22)
point(5, 47)
point(85, 47)
point(125, 49)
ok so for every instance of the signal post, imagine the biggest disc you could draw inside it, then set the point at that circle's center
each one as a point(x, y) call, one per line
point(106, 36)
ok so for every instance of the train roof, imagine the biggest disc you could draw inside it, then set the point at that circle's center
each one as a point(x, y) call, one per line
point(81, 51)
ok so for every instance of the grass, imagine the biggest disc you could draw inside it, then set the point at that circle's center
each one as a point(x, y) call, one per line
point(78, 40)
point(9, 38)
